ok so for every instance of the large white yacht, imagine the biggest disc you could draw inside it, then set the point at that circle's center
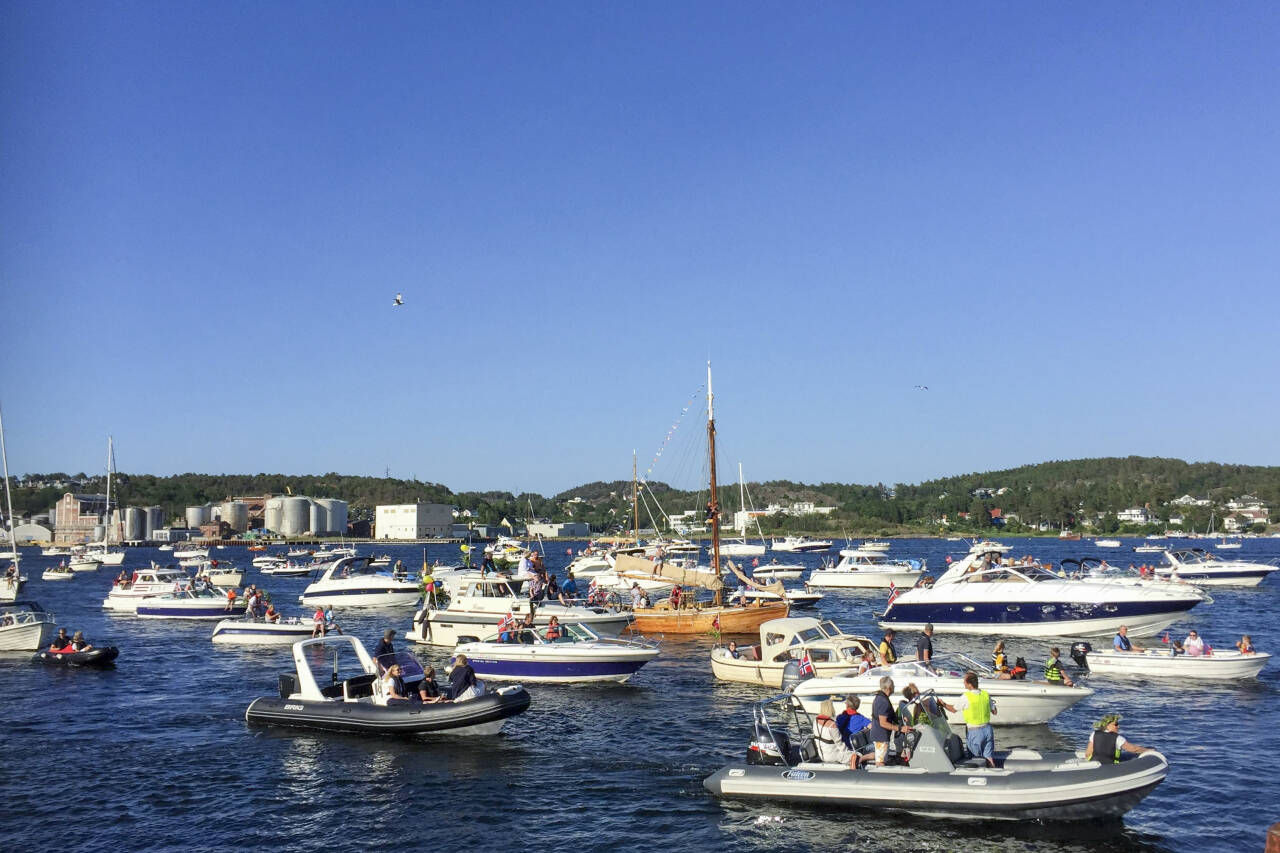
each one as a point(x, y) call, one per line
point(983, 594)
point(866, 569)
point(144, 584)
point(1195, 565)
point(352, 582)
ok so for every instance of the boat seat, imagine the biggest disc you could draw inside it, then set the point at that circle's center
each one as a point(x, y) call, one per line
point(808, 749)
point(358, 687)
point(860, 739)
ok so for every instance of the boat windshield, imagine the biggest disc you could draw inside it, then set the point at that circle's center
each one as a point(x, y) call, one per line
point(829, 629)
point(807, 635)
point(956, 664)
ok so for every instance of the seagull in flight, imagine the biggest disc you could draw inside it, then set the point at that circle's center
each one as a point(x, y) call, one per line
point(399, 300)
point(922, 387)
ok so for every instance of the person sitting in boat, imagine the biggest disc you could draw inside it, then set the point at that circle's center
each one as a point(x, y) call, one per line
point(393, 686)
point(553, 588)
point(1194, 645)
point(554, 631)
point(739, 595)
point(79, 643)
point(733, 650)
point(428, 690)
point(231, 600)
point(1018, 672)
point(868, 661)
point(676, 592)
point(1246, 645)
point(462, 680)
point(832, 748)
point(888, 652)
point(645, 601)
point(1106, 742)
point(568, 590)
point(1122, 643)
point(999, 660)
point(1053, 671)
point(850, 721)
point(385, 646)
point(329, 623)
point(527, 627)
point(272, 615)
point(506, 628)
point(61, 643)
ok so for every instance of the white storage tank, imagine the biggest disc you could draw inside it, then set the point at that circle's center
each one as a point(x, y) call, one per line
point(134, 526)
point(236, 515)
point(196, 516)
point(272, 513)
point(153, 520)
point(318, 519)
point(336, 514)
point(295, 516)
point(99, 531)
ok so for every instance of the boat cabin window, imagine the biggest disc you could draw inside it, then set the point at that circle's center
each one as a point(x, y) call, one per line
point(815, 655)
point(774, 639)
point(808, 635)
point(829, 628)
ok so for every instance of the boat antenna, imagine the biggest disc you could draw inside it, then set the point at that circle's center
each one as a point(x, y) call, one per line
point(713, 503)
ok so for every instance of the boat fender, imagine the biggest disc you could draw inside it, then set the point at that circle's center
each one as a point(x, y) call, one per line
point(1079, 654)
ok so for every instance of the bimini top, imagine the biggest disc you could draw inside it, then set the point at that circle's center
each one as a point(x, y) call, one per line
point(325, 651)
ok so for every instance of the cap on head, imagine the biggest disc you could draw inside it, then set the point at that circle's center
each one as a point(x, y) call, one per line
point(1108, 720)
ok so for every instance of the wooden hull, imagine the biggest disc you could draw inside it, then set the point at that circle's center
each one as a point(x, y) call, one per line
point(733, 620)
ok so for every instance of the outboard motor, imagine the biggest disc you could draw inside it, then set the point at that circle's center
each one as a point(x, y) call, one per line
point(1079, 654)
point(791, 676)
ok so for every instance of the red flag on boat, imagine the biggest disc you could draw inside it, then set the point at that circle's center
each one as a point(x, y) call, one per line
point(806, 665)
point(755, 561)
point(715, 623)
point(1165, 638)
point(893, 593)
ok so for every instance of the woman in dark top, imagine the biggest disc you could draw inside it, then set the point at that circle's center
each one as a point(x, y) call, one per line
point(462, 678)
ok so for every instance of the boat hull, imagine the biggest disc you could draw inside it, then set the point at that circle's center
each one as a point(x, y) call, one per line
point(26, 637)
point(1038, 618)
point(93, 658)
point(1158, 663)
point(1031, 707)
point(253, 633)
point(732, 620)
point(483, 715)
point(862, 579)
point(1078, 791)
point(450, 627)
point(157, 609)
point(379, 595)
point(549, 666)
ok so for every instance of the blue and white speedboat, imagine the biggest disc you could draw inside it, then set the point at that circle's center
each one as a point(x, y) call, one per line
point(577, 655)
point(984, 594)
point(352, 582)
point(186, 603)
point(250, 631)
point(1195, 565)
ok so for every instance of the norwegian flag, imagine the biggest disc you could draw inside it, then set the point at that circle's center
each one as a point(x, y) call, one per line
point(508, 622)
point(755, 562)
point(893, 593)
point(592, 587)
point(1165, 638)
point(806, 665)
point(715, 623)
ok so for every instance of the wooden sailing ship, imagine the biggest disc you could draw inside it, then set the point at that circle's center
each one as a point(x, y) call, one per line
point(694, 616)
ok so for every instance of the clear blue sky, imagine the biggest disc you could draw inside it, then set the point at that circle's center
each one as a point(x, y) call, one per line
point(1062, 219)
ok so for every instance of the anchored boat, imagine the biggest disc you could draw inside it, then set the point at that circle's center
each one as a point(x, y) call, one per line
point(576, 654)
point(1162, 663)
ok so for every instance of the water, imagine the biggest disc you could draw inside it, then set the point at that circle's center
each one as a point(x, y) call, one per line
point(155, 754)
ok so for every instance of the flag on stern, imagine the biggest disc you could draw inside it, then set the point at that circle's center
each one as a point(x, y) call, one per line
point(806, 665)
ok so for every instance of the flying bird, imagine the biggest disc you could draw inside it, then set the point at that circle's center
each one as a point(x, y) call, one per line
point(399, 300)
point(922, 387)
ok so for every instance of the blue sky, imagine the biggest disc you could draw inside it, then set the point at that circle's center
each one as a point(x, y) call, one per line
point(1062, 220)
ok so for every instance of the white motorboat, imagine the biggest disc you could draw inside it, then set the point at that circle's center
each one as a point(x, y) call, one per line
point(1227, 545)
point(186, 603)
point(220, 573)
point(263, 561)
point(351, 582)
point(874, 545)
point(577, 655)
point(794, 597)
point(286, 569)
point(1018, 701)
point(775, 571)
point(1197, 566)
point(1148, 549)
point(54, 551)
point(481, 603)
point(1162, 663)
point(190, 552)
point(24, 626)
point(298, 553)
point(60, 572)
point(246, 630)
point(800, 545)
point(1107, 543)
point(980, 594)
point(165, 548)
point(740, 548)
point(143, 584)
point(82, 563)
point(859, 569)
point(829, 649)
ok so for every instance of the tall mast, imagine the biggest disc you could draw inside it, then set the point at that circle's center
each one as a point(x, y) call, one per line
point(635, 501)
point(106, 534)
point(8, 497)
point(713, 505)
point(742, 505)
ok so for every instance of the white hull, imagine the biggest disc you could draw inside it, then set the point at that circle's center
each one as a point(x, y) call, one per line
point(740, 549)
point(766, 573)
point(84, 565)
point(862, 579)
point(226, 579)
point(448, 627)
point(107, 558)
point(1139, 626)
point(50, 575)
point(1158, 663)
point(257, 633)
point(372, 598)
point(29, 637)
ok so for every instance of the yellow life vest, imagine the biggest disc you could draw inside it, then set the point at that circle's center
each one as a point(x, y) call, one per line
point(977, 711)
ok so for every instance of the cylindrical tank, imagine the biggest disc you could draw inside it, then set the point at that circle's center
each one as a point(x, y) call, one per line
point(153, 521)
point(134, 524)
point(318, 519)
point(336, 514)
point(99, 532)
point(196, 516)
point(295, 516)
point(236, 514)
point(272, 512)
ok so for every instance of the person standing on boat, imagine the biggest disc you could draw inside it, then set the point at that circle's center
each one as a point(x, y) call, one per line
point(888, 654)
point(385, 646)
point(978, 710)
point(924, 645)
point(231, 600)
point(1107, 744)
point(317, 623)
point(329, 623)
point(635, 595)
point(1053, 671)
point(884, 720)
point(1122, 642)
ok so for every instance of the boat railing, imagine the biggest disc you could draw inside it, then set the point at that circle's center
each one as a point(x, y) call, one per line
point(16, 617)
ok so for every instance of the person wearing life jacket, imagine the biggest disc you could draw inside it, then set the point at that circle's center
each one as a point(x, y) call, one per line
point(1018, 672)
point(826, 733)
point(999, 660)
point(1122, 643)
point(1053, 671)
point(554, 631)
point(978, 709)
point(888, 653)
point(1107, 745)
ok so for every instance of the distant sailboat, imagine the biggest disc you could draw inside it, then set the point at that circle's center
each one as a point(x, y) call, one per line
point(12, 580)
point(740, 547)
point(101, 551)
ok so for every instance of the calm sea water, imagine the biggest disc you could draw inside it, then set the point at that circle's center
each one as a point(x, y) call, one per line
point(155, 754)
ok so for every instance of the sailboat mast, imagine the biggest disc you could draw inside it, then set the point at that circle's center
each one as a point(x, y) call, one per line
point(635, 500)
point(8, 497)
point(742, 505)
point(713, 505)
point(106, 535)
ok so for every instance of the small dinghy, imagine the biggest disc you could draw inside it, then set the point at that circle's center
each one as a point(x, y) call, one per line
point(1162, 663)
point(60, 572)
point(353, 700)
point(782, 764)
point(98, 657)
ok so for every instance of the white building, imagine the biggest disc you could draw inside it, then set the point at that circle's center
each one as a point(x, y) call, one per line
point(413, 521)
point(562, 530)
point(1187, 500)
point(1135, 515)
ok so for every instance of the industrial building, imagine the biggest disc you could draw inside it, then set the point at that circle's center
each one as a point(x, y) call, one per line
point(413, 521)
point(564, 530)
point(76, 516)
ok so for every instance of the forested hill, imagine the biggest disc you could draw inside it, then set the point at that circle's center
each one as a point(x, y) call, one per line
point(1057, 493)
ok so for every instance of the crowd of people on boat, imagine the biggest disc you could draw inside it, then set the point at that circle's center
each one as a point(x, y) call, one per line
point(462, 681)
